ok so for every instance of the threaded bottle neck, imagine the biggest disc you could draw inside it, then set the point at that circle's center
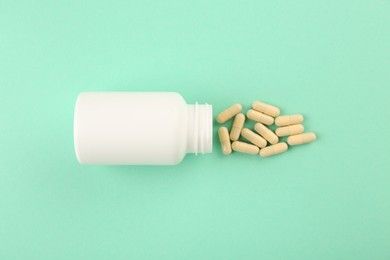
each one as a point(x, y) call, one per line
point(200, 128)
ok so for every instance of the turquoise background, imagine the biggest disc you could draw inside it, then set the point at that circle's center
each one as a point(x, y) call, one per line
point(329, 60)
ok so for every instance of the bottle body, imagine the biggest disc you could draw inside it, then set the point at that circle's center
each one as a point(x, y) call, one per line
point(143, 128)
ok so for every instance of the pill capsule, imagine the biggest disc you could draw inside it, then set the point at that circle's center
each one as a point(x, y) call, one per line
point(225, 141)
point(253, 138)
point(245, 148)
point(229, 113)
point(266, 133)
point(237, 126)
point(288, 120)
point(289, 130)
point(273, 149)
point(266, 108)
point(301, 139)
point(259, 117)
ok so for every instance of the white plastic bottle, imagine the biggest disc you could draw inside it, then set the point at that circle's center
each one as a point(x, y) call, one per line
point(144, 128)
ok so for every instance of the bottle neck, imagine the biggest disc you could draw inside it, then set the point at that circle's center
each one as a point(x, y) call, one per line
point(199, 128)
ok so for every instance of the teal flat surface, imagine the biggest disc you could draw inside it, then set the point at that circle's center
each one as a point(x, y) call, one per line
point(329, 60)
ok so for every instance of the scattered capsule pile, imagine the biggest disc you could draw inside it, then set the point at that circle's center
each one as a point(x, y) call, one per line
point(262, 140)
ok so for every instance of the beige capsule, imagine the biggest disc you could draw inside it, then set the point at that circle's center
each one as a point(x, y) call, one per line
point(301, 139)
point(265, 132)
point(259, 117)
point(237, 126)
point(245, 147)
point(289, 130)
point(253, 138)
point(229, 113)
point(266, 108)
point(273, 149)
point(225, 141)
point(288, 120)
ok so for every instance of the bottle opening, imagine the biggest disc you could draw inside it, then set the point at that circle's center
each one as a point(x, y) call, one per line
point(200, 129)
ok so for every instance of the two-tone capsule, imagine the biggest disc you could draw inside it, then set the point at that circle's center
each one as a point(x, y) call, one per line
point(229, 113)
point(225, 141)
point(237, 126)
point(253, 138)
point(301, 139)
point(289, 130)
point(273, 149)
point(266, 108)
point(259, 117)
point(265, 132)
point(288, 120)
point(245, 147)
